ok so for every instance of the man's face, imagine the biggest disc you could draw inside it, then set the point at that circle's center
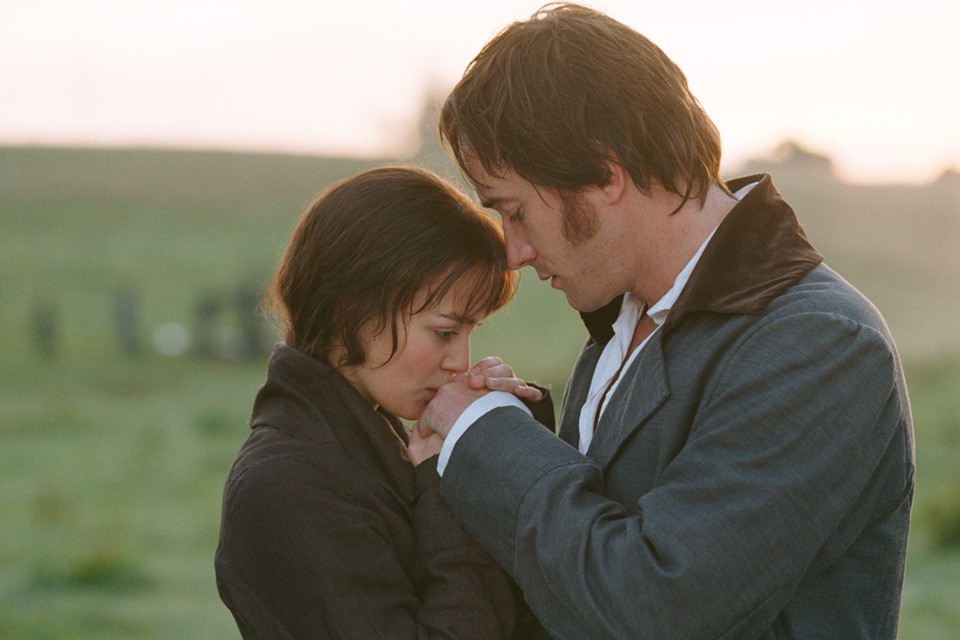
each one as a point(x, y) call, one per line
point(533, 226)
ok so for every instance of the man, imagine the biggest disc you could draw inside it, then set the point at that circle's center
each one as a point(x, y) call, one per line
point(736, 451)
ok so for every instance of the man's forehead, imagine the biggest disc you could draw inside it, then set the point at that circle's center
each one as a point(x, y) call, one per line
point(478, 178)
point(488, 194)
point(494, 202)
point(496, 189)
point(485, 179)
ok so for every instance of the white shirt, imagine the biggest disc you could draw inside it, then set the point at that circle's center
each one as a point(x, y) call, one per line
point(607, 366)
point(616, 348)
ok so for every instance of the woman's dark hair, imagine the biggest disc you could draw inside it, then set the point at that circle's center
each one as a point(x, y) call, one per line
point(553, 97)
point(369, 245)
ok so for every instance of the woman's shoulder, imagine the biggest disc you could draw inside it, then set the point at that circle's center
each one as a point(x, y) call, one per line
point(280, 484)
point(272, 463)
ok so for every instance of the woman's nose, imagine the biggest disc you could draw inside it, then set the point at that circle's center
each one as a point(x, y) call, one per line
point(457, 360)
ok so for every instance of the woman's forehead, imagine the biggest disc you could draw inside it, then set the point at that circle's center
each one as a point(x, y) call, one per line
point(463, 300)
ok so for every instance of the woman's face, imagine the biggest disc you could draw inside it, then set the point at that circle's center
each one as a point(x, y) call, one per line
point(432, 348)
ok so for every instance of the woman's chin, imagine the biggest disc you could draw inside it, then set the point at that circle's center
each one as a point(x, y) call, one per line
point(409, 413)
point(409, 410)
point(413, 415)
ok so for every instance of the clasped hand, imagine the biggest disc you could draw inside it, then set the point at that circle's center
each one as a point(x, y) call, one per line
point(453, 398)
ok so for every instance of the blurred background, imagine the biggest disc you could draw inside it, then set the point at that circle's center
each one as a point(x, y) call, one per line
point(155, 157)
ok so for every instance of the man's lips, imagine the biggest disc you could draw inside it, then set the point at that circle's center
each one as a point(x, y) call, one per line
point(552, 279)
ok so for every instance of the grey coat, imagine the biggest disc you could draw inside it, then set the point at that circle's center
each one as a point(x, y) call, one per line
point(751, 477)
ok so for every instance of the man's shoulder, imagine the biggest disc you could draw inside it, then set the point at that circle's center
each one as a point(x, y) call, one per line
point(819, 309)
point(825, 292)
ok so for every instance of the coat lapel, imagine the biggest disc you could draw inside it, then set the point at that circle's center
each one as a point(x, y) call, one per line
point(642, 390)
point(303, 386)
point(576, 394)
point(757, 252)
point(385, 435)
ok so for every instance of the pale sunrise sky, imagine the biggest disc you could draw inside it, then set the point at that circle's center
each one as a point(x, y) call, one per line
point(875, 85)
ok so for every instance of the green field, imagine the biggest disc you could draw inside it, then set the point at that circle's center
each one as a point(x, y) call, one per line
point(111, 466)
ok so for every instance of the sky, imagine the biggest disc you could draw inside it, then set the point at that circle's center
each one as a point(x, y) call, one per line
point(874, 85)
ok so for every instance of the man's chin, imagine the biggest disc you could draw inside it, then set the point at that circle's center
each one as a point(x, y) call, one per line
point(585, 306)
point(578, 303)
point(580, 306)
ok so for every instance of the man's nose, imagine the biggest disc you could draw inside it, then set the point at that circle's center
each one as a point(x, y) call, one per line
point(520, 253)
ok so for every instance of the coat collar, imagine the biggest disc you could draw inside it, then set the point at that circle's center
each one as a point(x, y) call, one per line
point(302, 387)
point(757, 252)
point(309, 401)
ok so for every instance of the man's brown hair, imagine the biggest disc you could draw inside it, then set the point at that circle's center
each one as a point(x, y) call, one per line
point(558, 96)
point(369, 246)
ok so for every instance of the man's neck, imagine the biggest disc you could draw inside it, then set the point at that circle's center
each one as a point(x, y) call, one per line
point(680, 236)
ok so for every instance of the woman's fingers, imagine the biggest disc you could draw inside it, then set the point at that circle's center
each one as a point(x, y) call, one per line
point(484, 364)
point(493, 373)
point(516, 386)
point(529, 393)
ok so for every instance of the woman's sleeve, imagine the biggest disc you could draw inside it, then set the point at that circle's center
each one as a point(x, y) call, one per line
point(463, 592)
point(542, 409)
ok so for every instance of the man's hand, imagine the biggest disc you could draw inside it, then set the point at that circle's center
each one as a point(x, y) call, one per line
point(491, 373)
point(451, 400)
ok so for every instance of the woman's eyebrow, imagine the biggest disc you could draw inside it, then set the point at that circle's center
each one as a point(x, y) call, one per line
point(458, 317)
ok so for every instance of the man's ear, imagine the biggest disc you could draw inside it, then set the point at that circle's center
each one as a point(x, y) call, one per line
point(618, 180)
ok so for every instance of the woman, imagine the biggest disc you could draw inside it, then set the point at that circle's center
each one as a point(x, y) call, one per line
point(333, 527)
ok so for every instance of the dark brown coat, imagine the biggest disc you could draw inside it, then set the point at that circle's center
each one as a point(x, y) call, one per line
point(329, 532)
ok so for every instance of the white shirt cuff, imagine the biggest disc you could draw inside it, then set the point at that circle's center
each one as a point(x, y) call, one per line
point(477, 409)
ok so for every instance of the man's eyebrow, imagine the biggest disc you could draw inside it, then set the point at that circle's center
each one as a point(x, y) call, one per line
point(491, 202)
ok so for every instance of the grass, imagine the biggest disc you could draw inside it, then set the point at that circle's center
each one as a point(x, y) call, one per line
point(112, 467)
point(115, 494)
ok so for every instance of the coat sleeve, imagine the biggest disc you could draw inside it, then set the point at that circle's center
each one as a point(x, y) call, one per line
point(542, 409)
point(464, 592)
point(298, 559)
point(791, 430)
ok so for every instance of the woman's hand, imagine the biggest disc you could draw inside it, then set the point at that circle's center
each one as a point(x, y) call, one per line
point(491, 373)
point(422, 447)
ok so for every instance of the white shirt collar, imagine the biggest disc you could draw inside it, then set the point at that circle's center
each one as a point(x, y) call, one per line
point(659, 311)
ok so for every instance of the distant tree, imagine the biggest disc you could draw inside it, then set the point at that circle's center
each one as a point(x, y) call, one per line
point(253, 340)
point(45, 325)
point(429, 152)
point(949, 178)
point(790, 159)
point(126, 319)
point(206, 315)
